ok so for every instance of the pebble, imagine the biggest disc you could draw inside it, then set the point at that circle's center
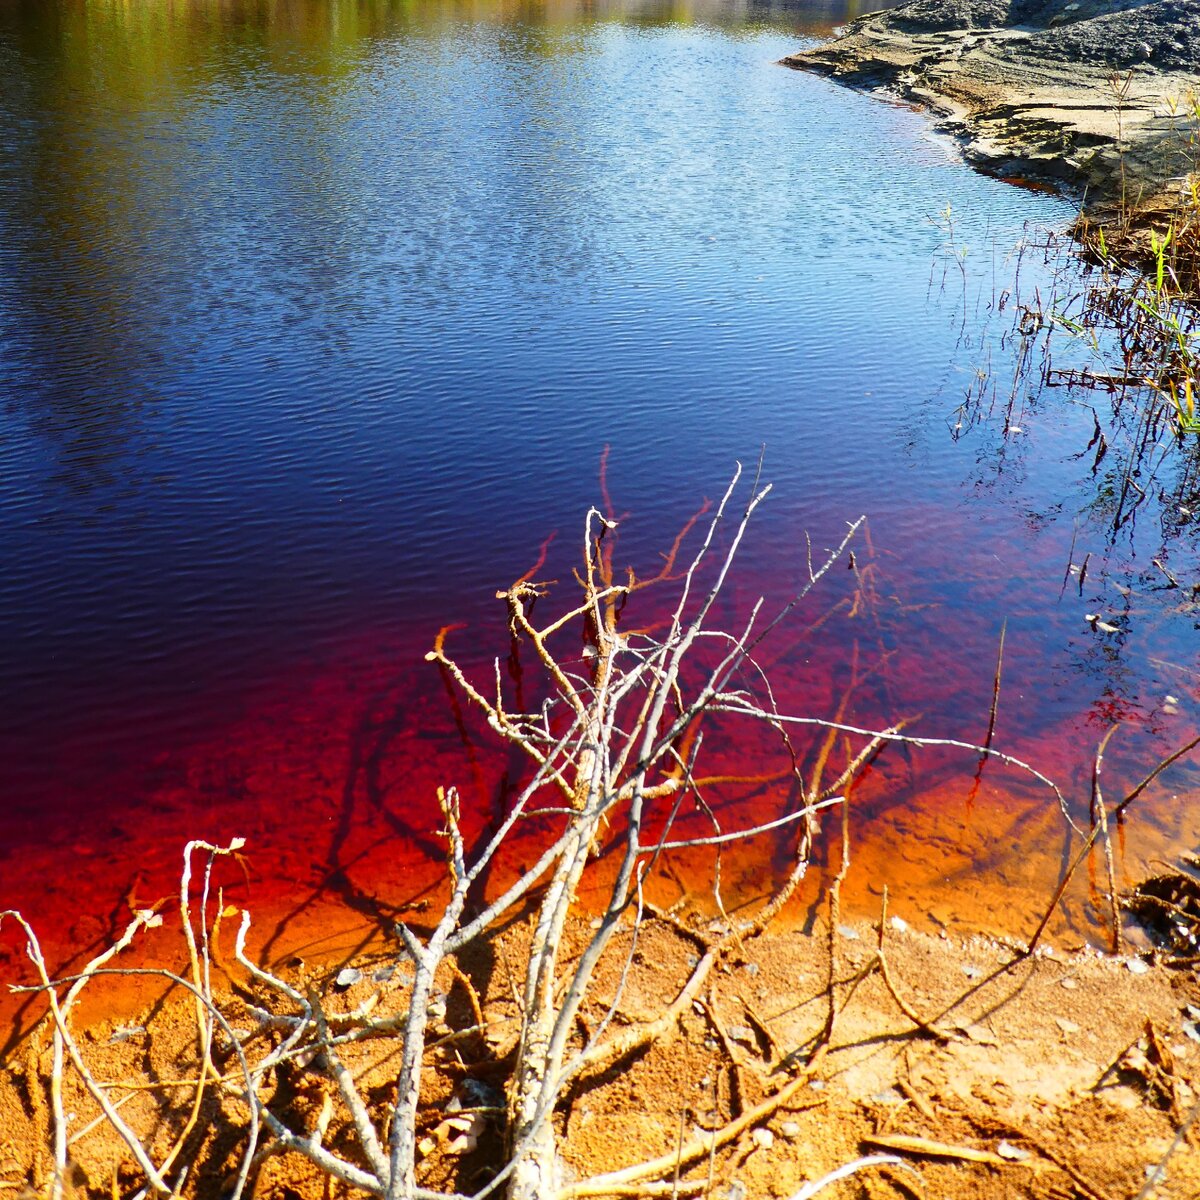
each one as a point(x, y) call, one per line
point(1011, 1152)
point(899, 924)
point(848, 932)
point(764, 1139)
point(1137, 966)
point(1069, 982)
point(790, 1130)
point(1068, 1027)
point(347, 977)
point(122, 1033)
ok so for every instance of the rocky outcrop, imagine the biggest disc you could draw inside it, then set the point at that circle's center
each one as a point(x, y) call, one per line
point(1100, 96)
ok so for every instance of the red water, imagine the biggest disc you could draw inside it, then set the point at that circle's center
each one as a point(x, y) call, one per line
point(330, 769)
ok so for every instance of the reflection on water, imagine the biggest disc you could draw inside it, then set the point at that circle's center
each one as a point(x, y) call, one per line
point(314, 320)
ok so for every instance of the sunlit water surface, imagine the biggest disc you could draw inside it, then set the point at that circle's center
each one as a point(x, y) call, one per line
point(314, 322)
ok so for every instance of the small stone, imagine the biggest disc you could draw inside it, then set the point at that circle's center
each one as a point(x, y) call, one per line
point(790, 1130)
point(475, 1093)
point(848, 932)
point(1135, 1060)
point(1137, 966)
point(1068, 1027)
point(742, 1034)
point(764, 1139)
point(383, 974)
point(736, 1191)
point(899, 924)
point(817, 1085)
point(752, 969)
point(1069, 982)
point(122, 1033)
point(347, 977)
point(1011, 1152)
point(971, 972)
point(462, 1133)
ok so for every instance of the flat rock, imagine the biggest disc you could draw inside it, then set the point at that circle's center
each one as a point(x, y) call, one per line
point(1091, 94)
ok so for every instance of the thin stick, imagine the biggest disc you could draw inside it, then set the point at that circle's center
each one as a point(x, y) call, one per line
point(692, 1151)
point(991, 729)
point(1100, 815)
point(844, 1172)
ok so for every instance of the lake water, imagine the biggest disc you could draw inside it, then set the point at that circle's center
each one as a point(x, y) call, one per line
point(315, 320)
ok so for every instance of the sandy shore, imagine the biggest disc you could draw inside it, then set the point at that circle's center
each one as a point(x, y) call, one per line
point(1066, 1074)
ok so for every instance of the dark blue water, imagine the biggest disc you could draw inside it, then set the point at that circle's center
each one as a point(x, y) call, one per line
point(315, 320)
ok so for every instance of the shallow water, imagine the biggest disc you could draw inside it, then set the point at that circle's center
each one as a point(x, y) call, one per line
point(314, 322)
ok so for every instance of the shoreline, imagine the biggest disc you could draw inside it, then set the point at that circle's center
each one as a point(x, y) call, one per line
point(977, 1069)
point(1098, 99)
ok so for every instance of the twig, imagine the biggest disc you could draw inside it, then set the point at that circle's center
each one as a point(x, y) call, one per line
point(927, 1148)
point(693, 1151)
point(844, 1172)
point(1100, 816)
